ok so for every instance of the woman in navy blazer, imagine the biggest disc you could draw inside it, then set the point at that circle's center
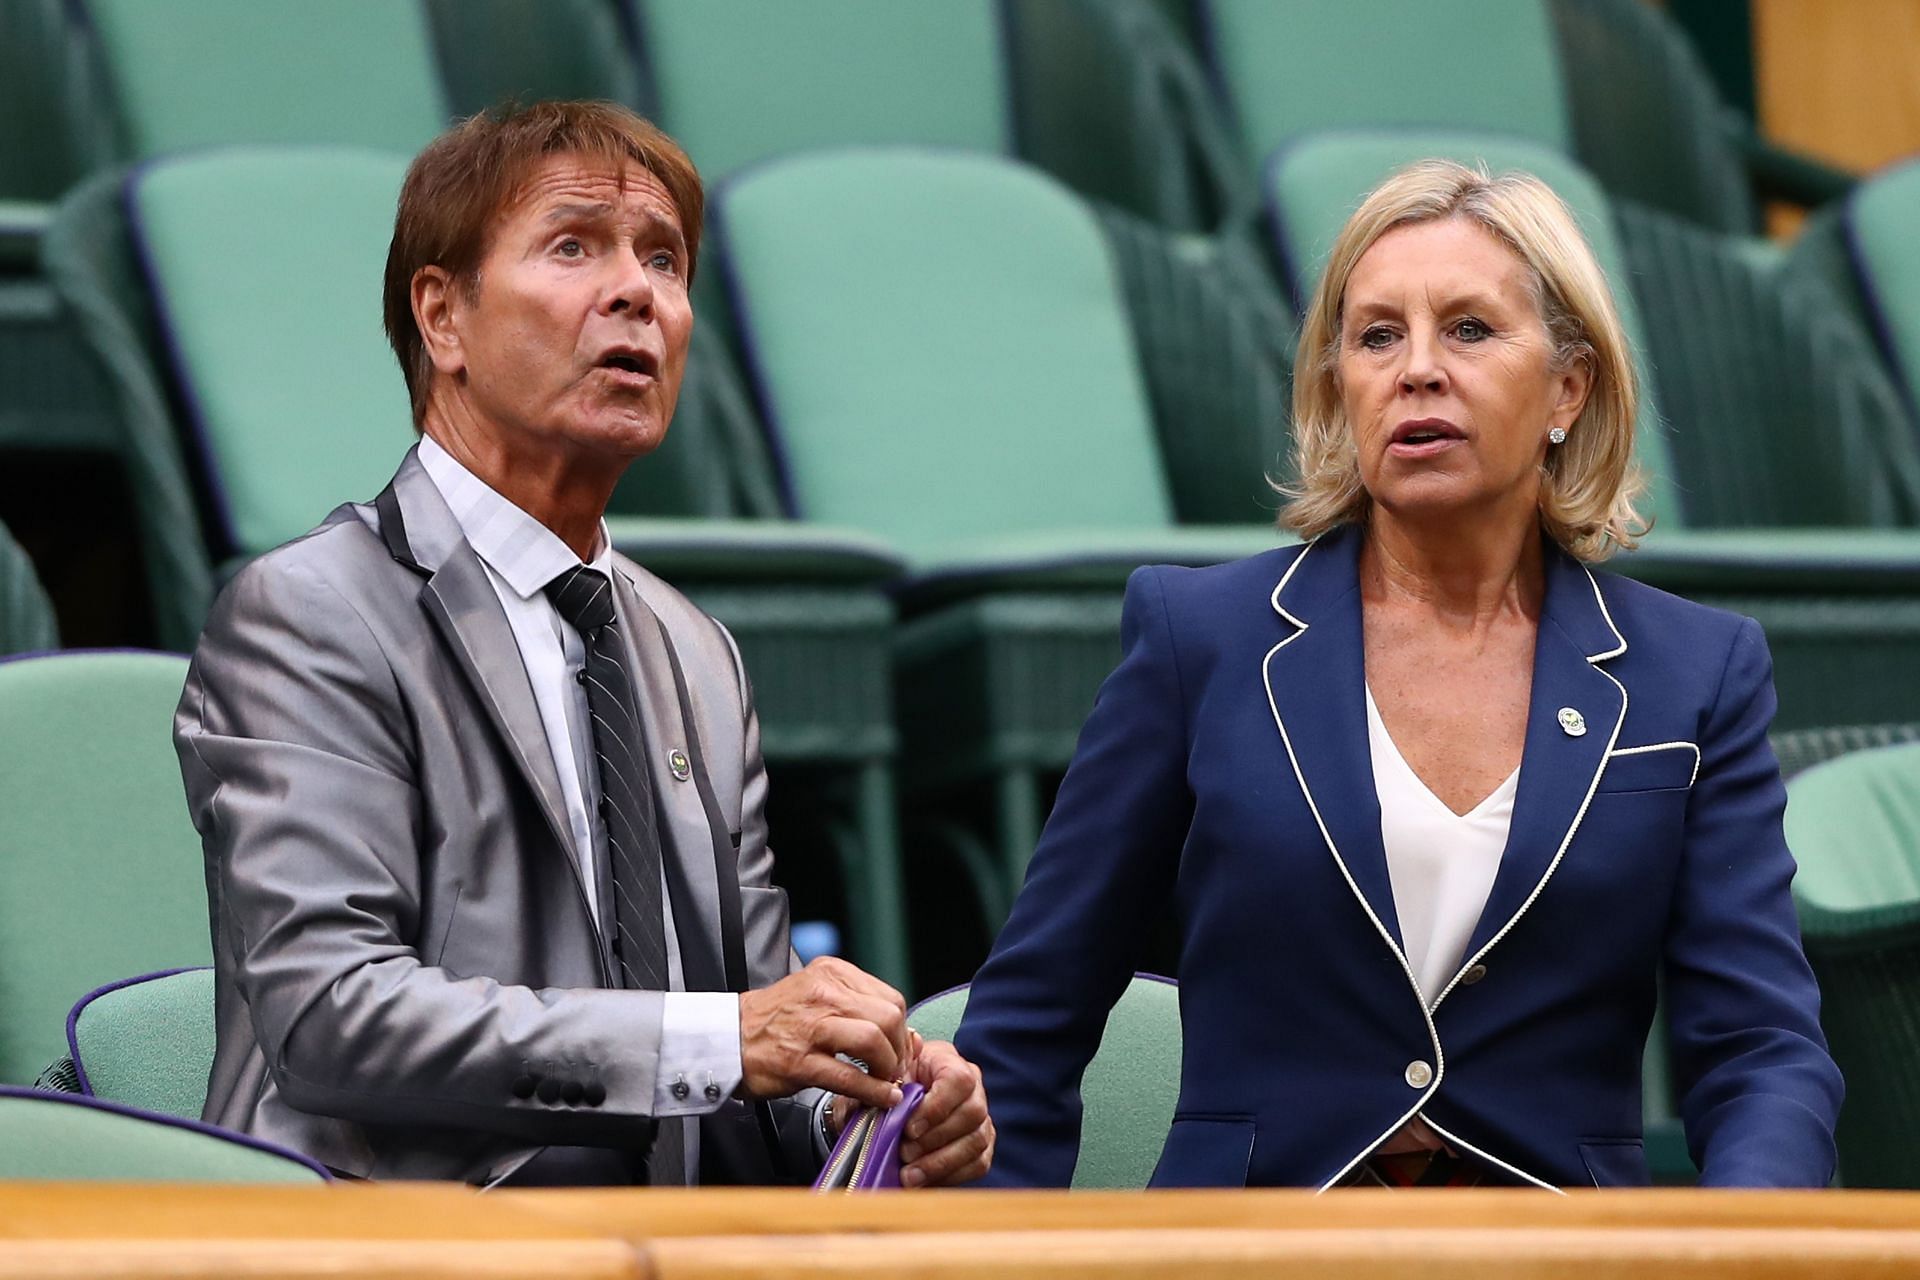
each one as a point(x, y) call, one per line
point(1464, 415)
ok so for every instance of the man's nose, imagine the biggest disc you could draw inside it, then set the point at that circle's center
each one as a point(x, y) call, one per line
point(631, 289)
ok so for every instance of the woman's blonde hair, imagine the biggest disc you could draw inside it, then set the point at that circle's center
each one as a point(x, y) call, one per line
point(1590, 481)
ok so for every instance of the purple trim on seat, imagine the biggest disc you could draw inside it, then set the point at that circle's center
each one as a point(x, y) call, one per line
point(941, 995)
point(191, 1126)
point(38, 655)
point(73, 1016)
point(1877, 317)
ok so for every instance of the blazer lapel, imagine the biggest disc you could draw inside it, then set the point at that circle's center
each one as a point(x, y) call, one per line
point(1573, 720)
point(1316, 684)
point(460, 599)
point(687, 832)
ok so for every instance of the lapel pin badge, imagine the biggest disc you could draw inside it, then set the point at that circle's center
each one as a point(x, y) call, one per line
point(677, 761)
point(1573, 722)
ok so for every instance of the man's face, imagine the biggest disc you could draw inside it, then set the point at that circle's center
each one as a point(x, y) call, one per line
point(574, 337)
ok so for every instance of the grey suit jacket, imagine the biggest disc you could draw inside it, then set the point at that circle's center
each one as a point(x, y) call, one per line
point(409, 983)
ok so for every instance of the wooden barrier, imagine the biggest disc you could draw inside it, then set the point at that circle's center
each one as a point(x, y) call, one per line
point(106, 1230)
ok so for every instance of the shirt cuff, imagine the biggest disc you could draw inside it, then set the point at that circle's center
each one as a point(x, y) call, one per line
point(699, 1052)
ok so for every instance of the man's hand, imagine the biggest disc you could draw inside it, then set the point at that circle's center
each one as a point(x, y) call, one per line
point(790, 1032)
point(950, 1139)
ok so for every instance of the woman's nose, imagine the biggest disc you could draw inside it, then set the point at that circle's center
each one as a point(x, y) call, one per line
point(1424, 369)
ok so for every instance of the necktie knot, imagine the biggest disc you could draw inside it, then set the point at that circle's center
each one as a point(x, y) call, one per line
point(584, 598)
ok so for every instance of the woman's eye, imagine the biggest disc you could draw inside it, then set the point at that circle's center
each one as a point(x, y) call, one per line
point(1472, 331)
point(1376, 337)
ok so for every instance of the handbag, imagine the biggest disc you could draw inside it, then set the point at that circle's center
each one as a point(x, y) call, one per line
point(867, 1157)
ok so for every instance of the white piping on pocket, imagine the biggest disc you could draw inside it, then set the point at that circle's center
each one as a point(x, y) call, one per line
point(1664, 746)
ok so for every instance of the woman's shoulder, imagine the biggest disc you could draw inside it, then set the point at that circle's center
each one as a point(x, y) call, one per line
point(1184, 588)
point(1657, 621)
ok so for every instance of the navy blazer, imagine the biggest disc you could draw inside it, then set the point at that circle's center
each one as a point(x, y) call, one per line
point(1225, 770)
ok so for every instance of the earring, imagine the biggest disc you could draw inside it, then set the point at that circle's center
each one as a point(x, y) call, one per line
point(1557, 436)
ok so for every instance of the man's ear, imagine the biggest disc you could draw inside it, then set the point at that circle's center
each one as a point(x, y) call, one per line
point(437, 300)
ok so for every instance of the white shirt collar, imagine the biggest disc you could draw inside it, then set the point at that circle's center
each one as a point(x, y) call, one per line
point(525, 553)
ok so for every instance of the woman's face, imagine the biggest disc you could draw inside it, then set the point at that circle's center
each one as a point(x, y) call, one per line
point(1446, 373)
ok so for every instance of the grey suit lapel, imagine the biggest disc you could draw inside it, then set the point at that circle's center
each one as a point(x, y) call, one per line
point(460, 599)
point(687, 834)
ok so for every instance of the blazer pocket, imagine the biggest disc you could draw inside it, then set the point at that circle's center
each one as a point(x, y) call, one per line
point(1666, 767)
point(1206, 1151)
point(1616, 1162)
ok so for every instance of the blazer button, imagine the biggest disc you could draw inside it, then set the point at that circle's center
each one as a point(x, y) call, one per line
point(549, 1091)
point(523, 1086)
point(712, 1091)
point(572, 1092)
point(596, 1093)
point(679, 1090)
point(1419, 1074)
point(1473, 975)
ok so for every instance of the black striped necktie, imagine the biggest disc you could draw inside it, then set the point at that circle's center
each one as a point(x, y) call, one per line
point(584, 597)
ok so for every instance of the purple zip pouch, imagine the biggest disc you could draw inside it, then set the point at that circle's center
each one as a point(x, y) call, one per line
point(867, 1157)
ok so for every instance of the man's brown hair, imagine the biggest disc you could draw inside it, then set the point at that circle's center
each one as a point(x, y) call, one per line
point(459, 188)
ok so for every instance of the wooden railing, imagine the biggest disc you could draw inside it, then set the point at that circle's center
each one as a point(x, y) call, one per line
point(419, 1231)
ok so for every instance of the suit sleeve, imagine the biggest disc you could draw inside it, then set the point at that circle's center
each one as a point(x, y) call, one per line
point(1759, 1093)
point(1104, 867)
point(295, 745)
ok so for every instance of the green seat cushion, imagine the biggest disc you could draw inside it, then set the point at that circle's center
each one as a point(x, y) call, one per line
point(147, 1042)
point(60, 1137)
point(1882, 217)
point(1779, 562)
point(220, 71)
point(101, 865)
point(941, 347)
point(1314, 185)
point(1130, 1086)
point(748, 551)
point(1080, 559)
point(1854, 826)
point(738, 81)
point(1291, 69)
point(266, 267)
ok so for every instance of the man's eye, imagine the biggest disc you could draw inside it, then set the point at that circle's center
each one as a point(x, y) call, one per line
point(663, 261)
point(570, 248)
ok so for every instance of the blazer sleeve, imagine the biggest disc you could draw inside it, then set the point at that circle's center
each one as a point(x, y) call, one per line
point(298, 761)
point(1105, 865)
point(1759, 1092)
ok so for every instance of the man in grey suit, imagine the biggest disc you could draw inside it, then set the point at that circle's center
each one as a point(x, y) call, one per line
point(482, 802)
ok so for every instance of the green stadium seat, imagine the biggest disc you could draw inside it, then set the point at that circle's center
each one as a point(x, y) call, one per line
point(1880, 218)
point(965, 385)
point(492, 51)
point(26, 615)
point(61, 1137)
point(1130, 1086)
point(740, 81)
point(289, 417)
point(1801, 749)
point(1854, 826)
point(102, 867)
point(146, 1042)
point(215, 72)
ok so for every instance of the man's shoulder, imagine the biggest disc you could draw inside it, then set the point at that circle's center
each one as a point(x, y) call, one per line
point(342, 559)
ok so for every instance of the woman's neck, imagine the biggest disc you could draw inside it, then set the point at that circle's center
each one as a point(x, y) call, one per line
point(1467, 573)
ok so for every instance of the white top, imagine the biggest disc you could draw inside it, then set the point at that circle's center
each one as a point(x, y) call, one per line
point(1441, 863)
point(699, 1030)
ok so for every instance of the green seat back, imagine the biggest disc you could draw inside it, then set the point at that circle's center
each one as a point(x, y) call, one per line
point(26, 616)
point(148, 1043)
point(1883, 222)
point(1296, 68)
point(60, 1137)
point(100, 863)
point(1314, 185)
point(1130, 1086)
point(221, 71)
point(266, 267)
point(531, 50)
point(1854, 825)
point(941, 347)
point(737, 81)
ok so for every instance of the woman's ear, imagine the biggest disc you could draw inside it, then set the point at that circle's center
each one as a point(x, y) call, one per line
point(1573, 385)
point(436, 299)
